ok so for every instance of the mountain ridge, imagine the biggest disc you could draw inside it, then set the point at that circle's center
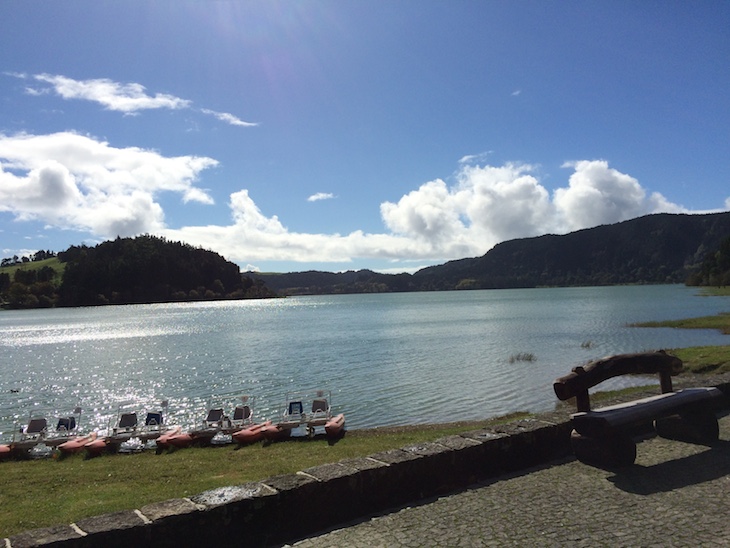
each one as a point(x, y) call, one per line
point(657, 248)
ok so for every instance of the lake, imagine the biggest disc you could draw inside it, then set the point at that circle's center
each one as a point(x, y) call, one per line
point(404, 358)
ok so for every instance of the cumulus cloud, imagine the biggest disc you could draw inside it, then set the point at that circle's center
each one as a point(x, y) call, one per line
point(437, 222)
point(320, 196)
point(254, 237)
point(129, 98)
point(597, 194)
point(73, 181)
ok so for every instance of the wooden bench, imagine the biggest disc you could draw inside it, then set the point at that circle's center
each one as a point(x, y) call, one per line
point(603, 436)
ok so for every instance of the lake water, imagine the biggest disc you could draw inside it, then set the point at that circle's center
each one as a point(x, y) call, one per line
point(388, 359)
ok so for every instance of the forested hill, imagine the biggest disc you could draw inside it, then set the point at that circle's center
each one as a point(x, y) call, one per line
point(661, 248)
point(149, 269)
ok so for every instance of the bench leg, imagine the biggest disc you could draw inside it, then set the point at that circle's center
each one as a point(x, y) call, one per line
point(614, 450)
point(699, 426)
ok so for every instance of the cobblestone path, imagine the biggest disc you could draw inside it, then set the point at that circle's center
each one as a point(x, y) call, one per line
point(677, 494)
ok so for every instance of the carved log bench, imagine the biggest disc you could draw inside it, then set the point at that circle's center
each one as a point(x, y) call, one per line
point(603, 436)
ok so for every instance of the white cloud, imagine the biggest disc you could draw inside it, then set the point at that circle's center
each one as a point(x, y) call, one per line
point(436, 222)
point(76, 182)
point(475, 158)
point(130, 98)
point(126, 98)
point(320, 196)
point(597, 194)
point(228, 118)
point(72, 181)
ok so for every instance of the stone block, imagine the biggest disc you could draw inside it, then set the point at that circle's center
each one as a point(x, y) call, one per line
point(125, 528)
point(46, 535)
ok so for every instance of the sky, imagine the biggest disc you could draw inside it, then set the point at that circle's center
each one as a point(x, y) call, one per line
point(329, 135)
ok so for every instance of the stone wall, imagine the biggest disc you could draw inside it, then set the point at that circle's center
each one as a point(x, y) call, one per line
point(283, 508)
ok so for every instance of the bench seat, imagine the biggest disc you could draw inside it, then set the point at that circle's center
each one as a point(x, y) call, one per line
point(599, 421)
point(604, 437)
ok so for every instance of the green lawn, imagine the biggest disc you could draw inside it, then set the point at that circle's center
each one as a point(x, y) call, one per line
point(53, 262)
point(39, 493)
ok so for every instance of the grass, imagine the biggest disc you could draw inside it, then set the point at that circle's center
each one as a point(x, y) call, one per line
point(522, 357)
point(721, 322)
point(701, 359)
point(723, 291)
point(40, 493)
point(53, 262)
point(704, 359)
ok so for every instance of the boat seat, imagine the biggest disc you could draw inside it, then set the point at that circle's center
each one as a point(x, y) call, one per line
point(295, 408)
point(36, 426)
point(153, 419)
point(214, 415)
point(241, 412)
point(128, 420)
point(66, 424)
point(320, 406)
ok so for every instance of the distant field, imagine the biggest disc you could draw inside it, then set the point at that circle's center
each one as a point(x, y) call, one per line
point(54, 263)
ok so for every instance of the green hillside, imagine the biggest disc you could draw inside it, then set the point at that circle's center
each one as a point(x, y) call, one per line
point(145, 269)
point(663, 248)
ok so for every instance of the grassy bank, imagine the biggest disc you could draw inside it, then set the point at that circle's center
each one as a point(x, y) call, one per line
point(40, 493)
point(720, 322)
point(701, 359)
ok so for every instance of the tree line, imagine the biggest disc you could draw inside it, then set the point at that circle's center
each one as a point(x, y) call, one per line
point(35, 257)
point(145, 269)
point(715, 269)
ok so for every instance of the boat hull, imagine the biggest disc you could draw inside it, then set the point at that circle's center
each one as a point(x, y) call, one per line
point(96, 447)
point(76, 445)
point(335, 427)
point(181, 440)
point(163, 442)
point(274, 432)
point(251, 434)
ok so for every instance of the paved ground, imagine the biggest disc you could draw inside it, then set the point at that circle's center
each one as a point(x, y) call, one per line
point(676, 494)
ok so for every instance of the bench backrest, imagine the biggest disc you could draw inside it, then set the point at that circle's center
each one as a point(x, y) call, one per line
point(577, 383)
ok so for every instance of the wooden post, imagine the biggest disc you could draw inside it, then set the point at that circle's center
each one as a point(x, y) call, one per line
point(582, 401)
point(665, 380)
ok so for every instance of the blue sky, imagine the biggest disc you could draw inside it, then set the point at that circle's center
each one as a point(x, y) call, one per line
point(333, 135)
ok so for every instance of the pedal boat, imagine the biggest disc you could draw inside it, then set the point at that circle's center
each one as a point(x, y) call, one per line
point(250, 434)
point(218, 427)
point(295, 416)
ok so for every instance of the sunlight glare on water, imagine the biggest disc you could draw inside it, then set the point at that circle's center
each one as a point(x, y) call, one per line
point(388, 359)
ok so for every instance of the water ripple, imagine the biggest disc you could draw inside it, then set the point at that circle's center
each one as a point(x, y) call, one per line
point(388, 359)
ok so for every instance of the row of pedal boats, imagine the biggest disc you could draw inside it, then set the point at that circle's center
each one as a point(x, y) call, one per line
point(133, 430)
